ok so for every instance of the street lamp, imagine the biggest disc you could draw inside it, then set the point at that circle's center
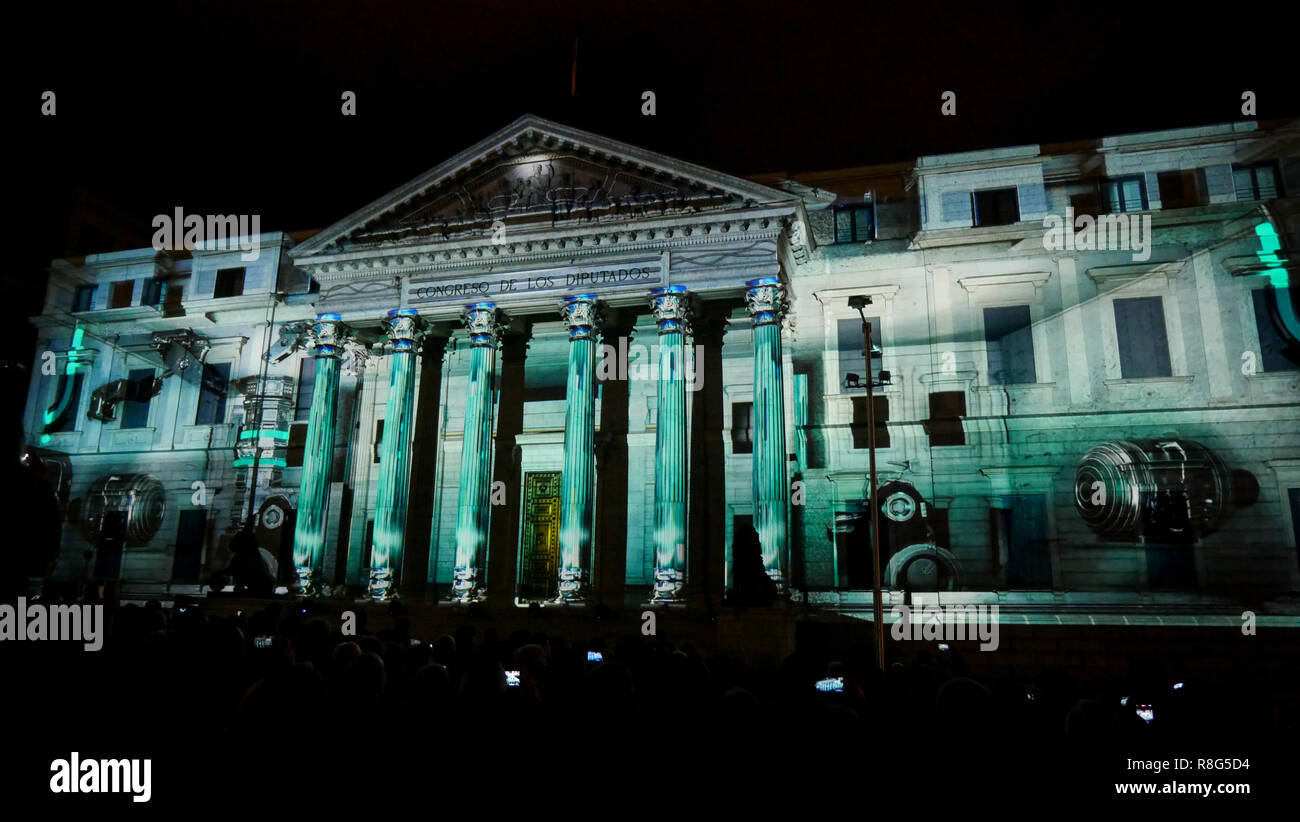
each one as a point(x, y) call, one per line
point(870, 352)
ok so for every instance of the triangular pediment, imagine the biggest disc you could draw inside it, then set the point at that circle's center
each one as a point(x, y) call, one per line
point(537, 175)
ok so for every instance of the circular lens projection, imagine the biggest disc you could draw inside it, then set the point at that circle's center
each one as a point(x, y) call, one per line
point(1160, 489)
point(136, 501)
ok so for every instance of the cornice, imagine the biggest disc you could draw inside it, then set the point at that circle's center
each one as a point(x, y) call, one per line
point(542, 251)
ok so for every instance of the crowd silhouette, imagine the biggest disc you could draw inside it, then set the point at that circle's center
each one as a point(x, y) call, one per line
point(253, 689)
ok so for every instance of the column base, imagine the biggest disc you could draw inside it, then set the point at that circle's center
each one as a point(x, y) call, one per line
point(668, 588)
point(383, 585)
point(305, 586)
point(465, 588)
point(778, 579)
point(572, 587)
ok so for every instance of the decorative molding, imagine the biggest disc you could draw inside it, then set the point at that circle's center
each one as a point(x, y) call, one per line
point(1107, 275)
point(1035, 278)
point(541, 251)
point(833, 295)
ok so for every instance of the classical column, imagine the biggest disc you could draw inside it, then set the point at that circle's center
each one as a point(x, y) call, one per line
point(405, 328)
point(474, 510)
point(578, 481)
point(670, 310)
point(765, 298)
point(326, 336)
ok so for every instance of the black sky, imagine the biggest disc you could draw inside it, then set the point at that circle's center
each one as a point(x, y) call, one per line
point(234, 107)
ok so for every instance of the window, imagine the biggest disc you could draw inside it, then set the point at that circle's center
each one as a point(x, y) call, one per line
point(1140, 332)
point(212, 395)
point(67, 399)
point(859, 426)
point(306, 388)
point(742, 428)
point(379, 439)
point(1274, 342)
point(84, 299)
point(121, 295)
point(946, 410)
point(997, 206)
point(1088, 202)
point(152, 295)
point(297, 443)
point(172, 295)
point(1257, 181)
point(1121, 194)
point(853, 366)
point(855, 223)
point(1010, 340)
point(187, 564)
point(139, 393)
point(1179, 189)
point(230, 283)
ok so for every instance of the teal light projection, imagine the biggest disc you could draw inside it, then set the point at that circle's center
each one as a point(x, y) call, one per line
point(265, 462)
point(577, 482)
point(65, 396)
point(670, 305)
point(260, 433)
point(765, 298)
point(1278, 277)
point(473, 514)
point(405, 329)
point(326, 337)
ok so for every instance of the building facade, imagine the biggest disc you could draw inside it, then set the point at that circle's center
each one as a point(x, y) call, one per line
point(559, 368)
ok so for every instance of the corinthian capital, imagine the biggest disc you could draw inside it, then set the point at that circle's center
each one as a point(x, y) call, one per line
point(405, 327)
point(765, 299)
point(484, 323)
point(672, 309)
point(327, 335)
point(581, 313)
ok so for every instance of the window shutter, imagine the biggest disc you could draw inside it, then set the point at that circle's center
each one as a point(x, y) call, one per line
point(955, 207)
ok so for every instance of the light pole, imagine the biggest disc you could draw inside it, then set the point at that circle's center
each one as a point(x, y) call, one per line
point(868, 352)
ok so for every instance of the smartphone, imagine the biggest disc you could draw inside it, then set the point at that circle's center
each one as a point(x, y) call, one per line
point(261, 642)
point(831, 685)
point(415, 642)
point(512, 679)
point(595, 656)
point(943, 646)
point(1146, 712)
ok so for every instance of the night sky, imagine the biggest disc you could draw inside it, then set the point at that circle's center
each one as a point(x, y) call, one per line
point(234, 107)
